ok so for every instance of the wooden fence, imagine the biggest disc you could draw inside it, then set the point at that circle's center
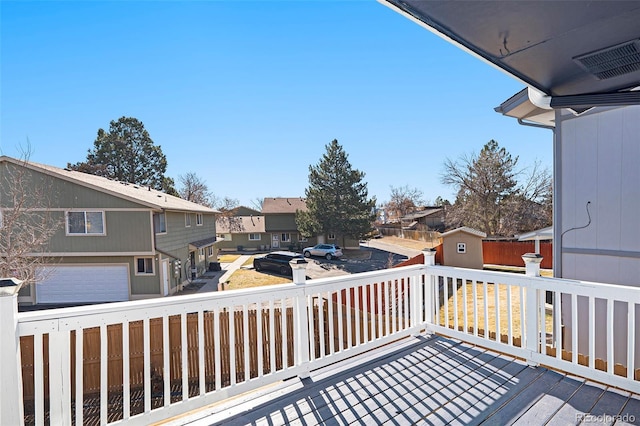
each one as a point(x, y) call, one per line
point(510, 252)
point(92, 350)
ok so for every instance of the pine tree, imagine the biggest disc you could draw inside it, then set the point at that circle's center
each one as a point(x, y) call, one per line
point(337, 198)
point(127, 153)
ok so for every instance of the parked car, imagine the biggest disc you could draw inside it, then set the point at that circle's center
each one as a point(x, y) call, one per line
point(277, 261)
point(328, 251)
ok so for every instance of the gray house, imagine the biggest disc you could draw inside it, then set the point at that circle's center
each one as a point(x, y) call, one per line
point(115, 241)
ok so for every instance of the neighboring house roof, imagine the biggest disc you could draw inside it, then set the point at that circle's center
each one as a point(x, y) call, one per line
point(283, 205)
point(245, 211)
point(132, 192)
point(240, 224)
point(538, 234)
point(467, 230)
point(422, 213)
point(204, 243)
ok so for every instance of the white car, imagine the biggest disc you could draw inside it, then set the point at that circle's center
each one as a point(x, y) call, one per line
point(328, 251)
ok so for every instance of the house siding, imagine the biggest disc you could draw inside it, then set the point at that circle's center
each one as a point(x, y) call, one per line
point(598, 156)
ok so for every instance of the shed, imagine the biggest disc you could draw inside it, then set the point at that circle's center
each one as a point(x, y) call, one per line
point(462, 247)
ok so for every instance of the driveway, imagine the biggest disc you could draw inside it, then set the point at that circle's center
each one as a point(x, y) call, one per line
point(371, 256)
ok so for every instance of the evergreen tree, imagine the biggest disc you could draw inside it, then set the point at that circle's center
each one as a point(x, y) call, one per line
point(127, 153)
point(337, 198)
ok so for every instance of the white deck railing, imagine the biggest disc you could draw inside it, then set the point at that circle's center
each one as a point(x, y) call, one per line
point(149, 360)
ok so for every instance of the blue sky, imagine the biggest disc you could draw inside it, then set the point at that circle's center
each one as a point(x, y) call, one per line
point(247, 94)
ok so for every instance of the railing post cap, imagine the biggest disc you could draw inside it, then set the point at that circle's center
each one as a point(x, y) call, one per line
point(532, 257)
point(298, 263)
point(10, 286)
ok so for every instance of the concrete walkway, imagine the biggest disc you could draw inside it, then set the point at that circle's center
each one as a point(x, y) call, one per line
point(213, 278)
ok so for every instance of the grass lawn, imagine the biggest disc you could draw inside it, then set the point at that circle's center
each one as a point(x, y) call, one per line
point(228, 258)
point(503, 302)
point(246, 278)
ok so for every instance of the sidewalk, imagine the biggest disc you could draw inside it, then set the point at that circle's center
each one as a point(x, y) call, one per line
point(213, 278)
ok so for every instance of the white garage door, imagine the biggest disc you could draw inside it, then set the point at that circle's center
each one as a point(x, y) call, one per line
point(71, 284)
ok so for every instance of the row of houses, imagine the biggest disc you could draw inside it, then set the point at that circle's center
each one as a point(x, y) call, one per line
point(116, 241)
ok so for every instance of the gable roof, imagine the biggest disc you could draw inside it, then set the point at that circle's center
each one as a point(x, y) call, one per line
point(239, 224)
point(466, 230)
point(422, 213)
point(283, 205)
point(146, 196)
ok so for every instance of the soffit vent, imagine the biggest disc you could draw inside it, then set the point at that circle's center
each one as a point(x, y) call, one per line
point(613, 61)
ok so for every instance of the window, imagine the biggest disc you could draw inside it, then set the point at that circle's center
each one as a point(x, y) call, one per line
point(144, 266)
point(331, 236)
point(159, 223)
point(285, 237)
point(302, 239)
point(225, 237)
point(210, 251)
point(199, 219)
point(462, 247)
point(85, 223)
point(202, 254)
point(187, 220)
point(254, 237)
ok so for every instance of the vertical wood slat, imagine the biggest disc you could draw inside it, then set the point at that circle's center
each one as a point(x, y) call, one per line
point(146, 348)
point(455, 303)
point(445, 302)
point(59, 377)
point(104, 385)
point(126, 372)
point(245, 336)
point(232, 346)
point(184, 356)
point(609, 328)
point(475, 307)
point(284, 333)
point(272, 342)
point(356, 313)
point(631, 338)
point(465, 308)
point(201, 357)
point(380, 311)
point(38, 378)
point(523, 323)
point(340, 321)
point(557, 323)
point(260, 340)
point(496, 294)
point(592, 331)
point(485, 298)
point(574, 329)
point(217, 349)
point(365, 312)
point(405, 300)
point(543, 319)
point(321, 325)
point(79, 376)
point(166, 361)
point(509, 317)
point(332, 347)
point(394, 289)
point(348, 307)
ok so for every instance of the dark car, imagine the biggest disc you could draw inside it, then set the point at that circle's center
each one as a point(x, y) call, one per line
point(277, 261)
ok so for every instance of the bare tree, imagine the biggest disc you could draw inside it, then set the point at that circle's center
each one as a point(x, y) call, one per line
point(404, 200)
point(27, 221)
point(256, 203)
point(193, 188)
point(227, 205)
point(491, 198)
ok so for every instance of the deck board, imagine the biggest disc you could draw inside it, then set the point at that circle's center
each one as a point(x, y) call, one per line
point(433, 381)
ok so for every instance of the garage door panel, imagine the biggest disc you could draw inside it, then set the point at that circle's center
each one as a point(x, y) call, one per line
point(73, 284)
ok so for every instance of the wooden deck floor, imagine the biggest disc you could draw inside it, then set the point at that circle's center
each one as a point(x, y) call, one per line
point(430, 381)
